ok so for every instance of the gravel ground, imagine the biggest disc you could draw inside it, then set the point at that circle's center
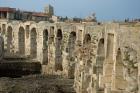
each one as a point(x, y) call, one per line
point(36, 84)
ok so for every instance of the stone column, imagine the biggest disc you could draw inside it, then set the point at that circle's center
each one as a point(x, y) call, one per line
point(27, 40)
point(109, 62)
point(107, 88)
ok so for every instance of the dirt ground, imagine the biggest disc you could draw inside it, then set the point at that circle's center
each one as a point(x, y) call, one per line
point(36, 84)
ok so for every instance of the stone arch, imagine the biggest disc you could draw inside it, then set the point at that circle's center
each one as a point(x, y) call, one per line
point(58, 51)
point(45, 46)
point(33, 43)
point(9, 38)
point(87, 39)
point(99, 64)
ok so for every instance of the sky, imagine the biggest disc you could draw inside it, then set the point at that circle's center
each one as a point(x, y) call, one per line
point(104, 9)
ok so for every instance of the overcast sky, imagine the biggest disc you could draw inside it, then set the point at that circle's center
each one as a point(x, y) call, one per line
point(104, 9)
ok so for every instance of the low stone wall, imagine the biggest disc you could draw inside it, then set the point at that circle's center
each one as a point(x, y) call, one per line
point(18, 69)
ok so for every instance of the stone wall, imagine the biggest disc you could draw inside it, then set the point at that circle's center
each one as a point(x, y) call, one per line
point(100, 58)
point(114, 67)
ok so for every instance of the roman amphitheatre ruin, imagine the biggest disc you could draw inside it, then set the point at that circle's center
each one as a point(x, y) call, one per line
point(87, 57)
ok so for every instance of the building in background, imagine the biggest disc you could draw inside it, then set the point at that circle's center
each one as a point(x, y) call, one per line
point(49, 10)
point(16, 14)
point(7, 13)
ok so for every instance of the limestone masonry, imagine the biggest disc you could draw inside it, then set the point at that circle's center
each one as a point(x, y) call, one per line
point(101, 58)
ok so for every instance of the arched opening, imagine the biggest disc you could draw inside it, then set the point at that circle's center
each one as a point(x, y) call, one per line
point(71, 56)
point(58, 51)
point(51, 38)
point(59, 34)
point(21, 41)
point(45, 46)
point(9, 39)
point(118, 82)
point(87, 39)
point(99, 65)
point(33, 43)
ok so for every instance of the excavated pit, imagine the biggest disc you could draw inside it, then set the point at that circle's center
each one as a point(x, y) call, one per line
point(18, 75)
point(18, 67)
point(36, 84)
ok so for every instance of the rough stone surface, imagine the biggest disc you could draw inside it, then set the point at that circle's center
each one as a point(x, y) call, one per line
point(36, 84)
point(100, 58)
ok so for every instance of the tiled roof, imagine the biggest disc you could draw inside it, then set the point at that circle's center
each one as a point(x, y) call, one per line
point(39, 14)
point(7, 9)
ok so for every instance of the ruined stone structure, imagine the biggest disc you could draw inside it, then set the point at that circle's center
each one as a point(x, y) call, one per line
point(100, 58)
point(109, 63)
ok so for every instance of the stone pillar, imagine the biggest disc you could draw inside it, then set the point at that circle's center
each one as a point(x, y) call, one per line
point(27, 41)
point(51, 57)
point(82, 83)
point(107, 88)
point(109, 63)
point(108, 67)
